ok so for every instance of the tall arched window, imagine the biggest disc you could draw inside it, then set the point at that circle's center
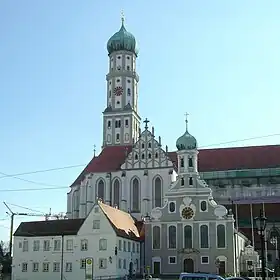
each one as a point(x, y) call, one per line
point(135, 195)
point(204, 236)
point(157, 192)
point(156, 237)
point(221, 236)
point(172, 237)
point(188, 237)
point(116, 193)
point(101, 190)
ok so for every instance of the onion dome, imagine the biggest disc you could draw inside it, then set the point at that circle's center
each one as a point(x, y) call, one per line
point(122, 41)
point(186, 141)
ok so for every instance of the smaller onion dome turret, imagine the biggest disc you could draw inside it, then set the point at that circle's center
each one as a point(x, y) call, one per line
point(122, 41)
point(186, 141)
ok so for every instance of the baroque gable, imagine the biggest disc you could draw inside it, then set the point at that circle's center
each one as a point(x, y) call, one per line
point(147, 153)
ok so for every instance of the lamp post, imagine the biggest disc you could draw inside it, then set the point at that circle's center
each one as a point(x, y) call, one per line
point(261, 224)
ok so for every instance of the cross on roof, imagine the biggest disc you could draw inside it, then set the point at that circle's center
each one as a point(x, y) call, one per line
point(94, 150)
point(146, 121)
point(122, 17)
point(186, 114)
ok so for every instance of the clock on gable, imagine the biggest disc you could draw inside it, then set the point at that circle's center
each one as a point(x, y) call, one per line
point(187, 213)
point(118, 91)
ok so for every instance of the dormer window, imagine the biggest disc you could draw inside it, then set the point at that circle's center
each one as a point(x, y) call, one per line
point(190, 162)
point(182, 182)
point(190, 181)
point(182, 162)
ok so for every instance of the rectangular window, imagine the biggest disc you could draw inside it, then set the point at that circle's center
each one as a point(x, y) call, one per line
point(204, 260)
point(56, 267)
point(84, 245)
point(24, 267)
point(25, 246)
point(126, 122)
point(68, 267)
point(128, 246)
point(138, 248)
point(124, 264)
point(102, 244)
point(83, 263)
point(35, 267)
point(133, 247)
point(56, 245)
point(69, 245)
point(124, 246)
point(120, 245)
point(36, 245)
point(118, 136)
point(46, 266)
point(46, 245)
point(96, 224)
point(120, 263)
point(172, 260)
point(102, 263)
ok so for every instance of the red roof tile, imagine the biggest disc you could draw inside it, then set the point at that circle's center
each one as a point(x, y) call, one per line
point(236, 158)
point(110, 159)
point(122, 222)
point(222, 159)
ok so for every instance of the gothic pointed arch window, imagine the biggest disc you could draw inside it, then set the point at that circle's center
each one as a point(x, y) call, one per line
point(135, 195)
point(157, 192)
point(221, 236)
point(101, 190)
point(172, 237)
point(204, 236)
point(188, 237)
point(116, 193)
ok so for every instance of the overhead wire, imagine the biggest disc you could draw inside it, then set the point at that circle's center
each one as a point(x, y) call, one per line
point(57, 187)
point(26, 208)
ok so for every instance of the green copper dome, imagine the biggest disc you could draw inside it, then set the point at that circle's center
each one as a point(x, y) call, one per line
point(186, 141)
point(122, 41)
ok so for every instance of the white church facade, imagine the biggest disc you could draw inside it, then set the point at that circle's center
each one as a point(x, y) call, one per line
point(133, 171)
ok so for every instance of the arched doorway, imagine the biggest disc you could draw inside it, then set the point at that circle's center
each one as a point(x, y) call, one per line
point(188, 265)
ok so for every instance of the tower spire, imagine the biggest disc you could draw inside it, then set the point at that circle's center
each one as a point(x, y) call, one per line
point(186, 115)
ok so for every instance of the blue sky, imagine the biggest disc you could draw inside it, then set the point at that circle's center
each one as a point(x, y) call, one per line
point(218, 60)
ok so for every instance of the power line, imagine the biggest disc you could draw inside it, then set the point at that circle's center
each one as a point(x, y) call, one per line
point(42, 171)
point(57, 187)
point(30, 181)
point(26, 208)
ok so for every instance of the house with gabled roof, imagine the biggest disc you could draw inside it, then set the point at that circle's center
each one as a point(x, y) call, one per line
point(108, 238)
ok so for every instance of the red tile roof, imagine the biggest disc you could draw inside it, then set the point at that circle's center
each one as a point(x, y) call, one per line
point(110, 159)
point(122, 222)
point(222, 159)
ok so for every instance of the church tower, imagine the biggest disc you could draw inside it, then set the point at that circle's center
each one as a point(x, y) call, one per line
point(121, 121)
point(187, 159)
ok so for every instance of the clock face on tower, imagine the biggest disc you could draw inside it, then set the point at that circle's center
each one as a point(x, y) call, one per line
point(118, 91)
point(187, 213)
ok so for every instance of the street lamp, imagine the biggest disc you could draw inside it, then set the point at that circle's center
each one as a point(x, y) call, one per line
point(260, 225)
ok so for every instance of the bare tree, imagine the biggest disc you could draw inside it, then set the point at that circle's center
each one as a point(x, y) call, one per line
point(4, 249)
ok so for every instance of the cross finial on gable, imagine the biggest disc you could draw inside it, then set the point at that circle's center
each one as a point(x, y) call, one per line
point(122, 17)
point(146, 121)
point(94, 150)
